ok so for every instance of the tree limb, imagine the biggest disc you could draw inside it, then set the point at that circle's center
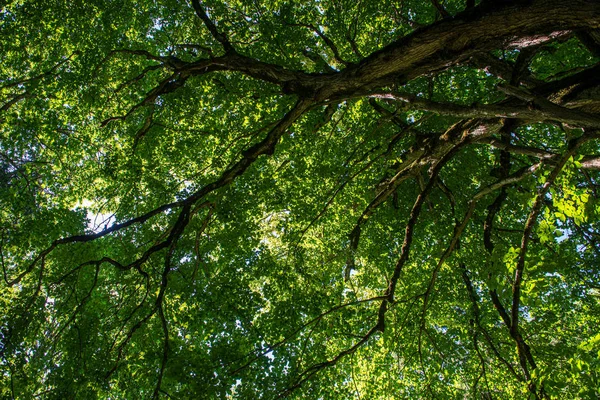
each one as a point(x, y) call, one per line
point(547, 112)
point(221, 38)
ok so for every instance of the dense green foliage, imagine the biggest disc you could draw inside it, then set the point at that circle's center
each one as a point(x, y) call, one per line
point(319, 199)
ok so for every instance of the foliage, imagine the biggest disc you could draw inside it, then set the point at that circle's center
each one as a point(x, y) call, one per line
point(318, 199)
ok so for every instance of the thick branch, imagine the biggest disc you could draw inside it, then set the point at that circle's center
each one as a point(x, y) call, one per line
point(221, 38)
point(546, 112)
point(421, 53)
point(486, 28)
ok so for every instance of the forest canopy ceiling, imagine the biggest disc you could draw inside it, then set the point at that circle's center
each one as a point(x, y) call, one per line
point(320, 199)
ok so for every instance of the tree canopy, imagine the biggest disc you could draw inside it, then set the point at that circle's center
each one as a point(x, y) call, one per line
point(324, 199)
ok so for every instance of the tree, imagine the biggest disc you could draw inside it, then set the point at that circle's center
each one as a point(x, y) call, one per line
point(320, 199)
